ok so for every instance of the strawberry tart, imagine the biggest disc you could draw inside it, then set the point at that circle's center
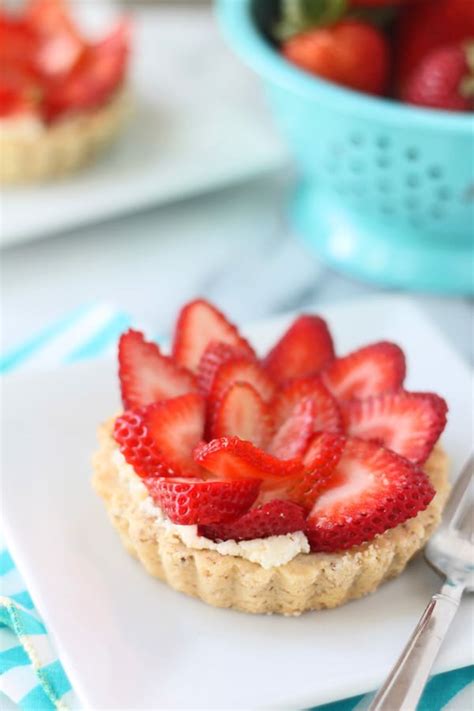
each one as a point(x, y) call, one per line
point(294, 481)
point(62, 98)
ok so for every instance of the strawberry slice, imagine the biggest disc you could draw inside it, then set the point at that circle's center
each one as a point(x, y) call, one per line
point(327, 415)
point(304, 349)
point(175, 426)
point(198, 324)
point(233, 458)
point(320, 461)
point(408, 423)
point(214, 356)
point(158, 440)
point(242, 413)
point(291, 438)
point(98, 73)
point(190, 501)
point(137, 445)
point(372, 490)
point(373, 370)
point(240, 370)
point(146, 375)
point(275, 518)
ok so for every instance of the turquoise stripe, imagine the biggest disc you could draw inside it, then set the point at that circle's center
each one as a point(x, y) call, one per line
point(54, 676)
point(36, 700)
point(443, 687)
point(26, 350)
point(6, 562)
point(14, 657)
point(100, 340)
point(24, 599)
point(20, 621)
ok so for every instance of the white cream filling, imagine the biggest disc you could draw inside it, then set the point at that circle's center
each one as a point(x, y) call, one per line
point(21, 127)
point(268, 552)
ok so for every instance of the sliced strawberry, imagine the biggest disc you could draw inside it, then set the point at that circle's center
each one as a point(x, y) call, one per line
point(198, 324)
point(191, 501)
point(146, 375)
point(320, 461)
point(242, 413)
point(137, 445)
point(275, 518)
point(327, 416)
point(214, 356)
point(304, 349)
point(372, 490)
point(176, 426)
point(240, 370)
point(291, 438)
point(94, 78)
point(373, 370)
point(233, 458)
point(408, 423)
point(61, 44)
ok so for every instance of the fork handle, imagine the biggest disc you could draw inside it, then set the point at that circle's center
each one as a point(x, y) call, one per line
point(405, 683)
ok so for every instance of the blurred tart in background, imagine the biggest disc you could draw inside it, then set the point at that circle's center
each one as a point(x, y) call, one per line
point(62, 97)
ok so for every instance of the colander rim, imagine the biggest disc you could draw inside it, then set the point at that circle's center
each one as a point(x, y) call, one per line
point(239, 28)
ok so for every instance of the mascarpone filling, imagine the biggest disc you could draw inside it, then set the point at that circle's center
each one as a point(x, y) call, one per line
point(268, 552)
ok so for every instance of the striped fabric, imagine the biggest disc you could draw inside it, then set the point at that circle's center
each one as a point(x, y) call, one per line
point(31, 674)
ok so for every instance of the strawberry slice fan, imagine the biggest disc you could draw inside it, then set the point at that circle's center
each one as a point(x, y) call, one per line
point(299, 440)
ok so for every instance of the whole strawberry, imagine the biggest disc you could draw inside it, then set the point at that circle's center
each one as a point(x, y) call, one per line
point(444, 79)
point(352, 53)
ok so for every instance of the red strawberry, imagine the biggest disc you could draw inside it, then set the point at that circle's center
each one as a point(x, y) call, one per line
point(213, 357)
point(239, 370)
point(444, 79)
point(320, 461)
point(233, 458)
point(408, 423)
point(146, 375)
point(291, 438)
point(424, 26)
point(137, 445)
point(372, 370)
point(61, 44)
point(191, 501)
point(372, 490)
point(352, 53)
point(304, 349)
point(242, 413)
point(327, 414)
point(276, 518)
point(198, 324)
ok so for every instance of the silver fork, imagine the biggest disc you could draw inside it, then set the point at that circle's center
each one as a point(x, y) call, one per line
point(451, 553)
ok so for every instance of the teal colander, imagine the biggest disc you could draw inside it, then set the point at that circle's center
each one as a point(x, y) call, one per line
point(386, 190)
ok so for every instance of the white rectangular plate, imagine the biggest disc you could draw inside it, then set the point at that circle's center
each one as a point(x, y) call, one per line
point(127, 640)
point(198, 123)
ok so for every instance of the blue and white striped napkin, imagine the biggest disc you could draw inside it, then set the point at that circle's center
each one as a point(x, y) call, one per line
point(31, 674)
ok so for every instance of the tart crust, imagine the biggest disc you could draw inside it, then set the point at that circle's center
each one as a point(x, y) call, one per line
point(63, 147)
point(308, 582)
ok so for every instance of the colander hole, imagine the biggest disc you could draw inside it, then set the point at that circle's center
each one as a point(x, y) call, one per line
point(358, 189)
point(356, 139)
point(382, 142)
point(412, 180)
point(386, 208)
point(437, 213)
point(444, 193)
point(357, 166)
point(382, 162)
point(415, 222)
point(383, 186)
point(411, 153)
point(412, 203)
point(435, 172)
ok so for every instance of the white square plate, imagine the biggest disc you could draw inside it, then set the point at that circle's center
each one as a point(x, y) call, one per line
point(198, 123)
point(128, 641)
